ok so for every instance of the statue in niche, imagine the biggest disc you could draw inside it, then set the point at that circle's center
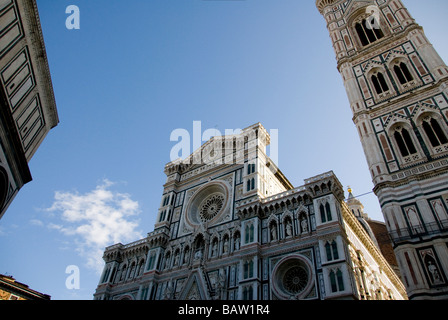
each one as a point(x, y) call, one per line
point(434, 273)
point(198, 254)
point(186, 256)
point(215, 248)
point(176, 258)
point(237, 243)
point(226, 245)
point(288, 228)
point(273, 231)
point(304, 224)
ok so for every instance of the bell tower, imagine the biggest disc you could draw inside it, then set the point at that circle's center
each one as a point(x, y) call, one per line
point(397, 86)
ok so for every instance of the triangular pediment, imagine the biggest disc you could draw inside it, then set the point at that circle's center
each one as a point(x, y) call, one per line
point(195, 288)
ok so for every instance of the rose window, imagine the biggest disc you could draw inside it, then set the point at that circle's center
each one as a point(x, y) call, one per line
point(211, 206)
point(295, 279)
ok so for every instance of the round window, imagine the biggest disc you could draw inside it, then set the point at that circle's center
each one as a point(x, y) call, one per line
point(211, 206)
point(295, 279)
point(292, 277)
point(207, 204)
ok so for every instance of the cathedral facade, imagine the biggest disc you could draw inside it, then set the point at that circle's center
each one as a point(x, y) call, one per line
point(232, 227)
point(397, 86)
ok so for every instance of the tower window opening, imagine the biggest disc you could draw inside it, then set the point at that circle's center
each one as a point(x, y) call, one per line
point(379, 82)
point(404, 142)
point(403, 74)
point(434, 132)
point(368, 32)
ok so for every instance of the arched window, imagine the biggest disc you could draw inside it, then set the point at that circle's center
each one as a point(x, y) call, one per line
point(250, 184)
point(248, 293)
point(403, 74)
point(250, 168)
point(332, 251)
point(248, 269)
point(368, 32)
point(404, 142)
point(337, 281)
point(434, 132)
point(328, 211)
point(379, 82)
point(322, 213)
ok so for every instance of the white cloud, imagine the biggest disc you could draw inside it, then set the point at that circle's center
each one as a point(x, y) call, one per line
point(36, 222)
point(97, 219)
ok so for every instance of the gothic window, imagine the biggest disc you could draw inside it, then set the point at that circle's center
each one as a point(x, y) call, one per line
point(337, 281)
point(322, 213)
point(162, 216)
point(379, 83)
point(332, 251)
point(248, 269)
point(328, 212)
point(325, 213)
point(368, 32)
point(250, 184)
point(402, 72)
point(434, 132)
point(151, 261)
point(248, 293)
point(250, 168)
point(404, 142)
point(249, 233)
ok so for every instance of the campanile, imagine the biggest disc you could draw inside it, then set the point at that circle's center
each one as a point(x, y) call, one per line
point(397, 86)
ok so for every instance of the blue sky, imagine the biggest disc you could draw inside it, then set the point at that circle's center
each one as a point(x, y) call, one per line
point(137, 70)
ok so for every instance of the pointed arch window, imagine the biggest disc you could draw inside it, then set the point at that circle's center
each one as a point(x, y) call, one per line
point(337, 281)
point(434, 132)
point(379, 83)
point(332, 251)
point(322, 213)
point(249, 238)
point(368, 32)
point(404, 142)
point(328, 212)
point(403, 73)
point(325, 213)
point(248, 269)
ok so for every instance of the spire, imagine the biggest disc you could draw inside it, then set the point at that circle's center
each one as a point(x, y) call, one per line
point(356, 206)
